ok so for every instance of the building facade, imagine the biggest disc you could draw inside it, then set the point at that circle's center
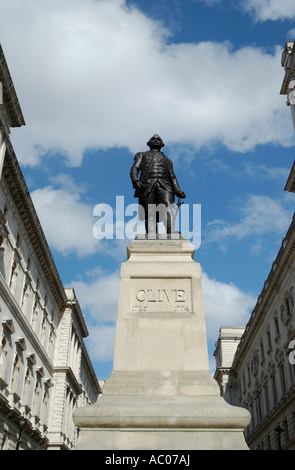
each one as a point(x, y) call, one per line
point(288, 89)
point(45, 370)
point(226, 346)
point(258, 371)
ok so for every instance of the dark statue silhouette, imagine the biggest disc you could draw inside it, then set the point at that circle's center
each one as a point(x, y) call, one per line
point(155, 184)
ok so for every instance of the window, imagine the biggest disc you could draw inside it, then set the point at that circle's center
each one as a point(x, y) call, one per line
point(25, 296)
point(277, 326)
point(51, 343)
point(34, 314)
point(35, 407)
point(13, 276)
point(43, 329)
point(3, 356)
point(28, 380)
point(286, 430)
point(5, 441)
point(274, 389)
point(45, 402)
point(287, 307)
point(268, 340)
point(266, 400)
point(282, 379)
point(258, 407)
point(15, 373)
point(262, 351)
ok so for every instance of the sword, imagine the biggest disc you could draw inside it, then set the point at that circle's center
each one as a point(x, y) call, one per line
point(176, 210)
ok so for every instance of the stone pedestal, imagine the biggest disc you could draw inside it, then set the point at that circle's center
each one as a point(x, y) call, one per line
point(161, 395)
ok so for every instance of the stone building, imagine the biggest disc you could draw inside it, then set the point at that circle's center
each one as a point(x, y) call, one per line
point(45, 370)
point(288, 89)
point(288, 85)
point(257, 370)
point(226, 346)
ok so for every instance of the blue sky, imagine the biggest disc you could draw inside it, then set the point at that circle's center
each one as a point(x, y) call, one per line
point(97, 78)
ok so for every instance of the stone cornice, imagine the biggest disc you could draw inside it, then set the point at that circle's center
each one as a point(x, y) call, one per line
point(73, 304)
point(75, 385)
point(10, 99)
point(288, 62)
point(290, 185)
point(22, 199)
point(284, 258)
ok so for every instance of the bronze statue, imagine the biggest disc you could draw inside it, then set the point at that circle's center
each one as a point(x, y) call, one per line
point(157, 184)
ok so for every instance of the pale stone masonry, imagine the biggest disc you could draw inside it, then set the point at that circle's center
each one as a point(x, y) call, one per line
point(288, 85)
point(288, 88)
point(226, 346)
point(45, 370)
point(259, 366)
point(161, 395)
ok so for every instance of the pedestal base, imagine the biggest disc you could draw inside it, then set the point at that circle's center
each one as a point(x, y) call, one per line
point(161, 395)
point(161, 423)
point(155, 439)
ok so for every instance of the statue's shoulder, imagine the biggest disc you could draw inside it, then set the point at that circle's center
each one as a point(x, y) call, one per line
point(139, 155)
point(142, 158)
point(166, 158)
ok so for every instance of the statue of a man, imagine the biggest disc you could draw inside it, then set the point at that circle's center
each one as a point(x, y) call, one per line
point(155, 183)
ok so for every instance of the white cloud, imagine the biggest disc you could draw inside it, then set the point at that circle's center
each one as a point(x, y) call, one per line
point(210, 3)
point(70, 225)
point(225, 305)
point(99, 296)
point(263, 171)
point(259, 216)
point(95, 74)
point(67, 222)
point(270, 9)
point(100, 342)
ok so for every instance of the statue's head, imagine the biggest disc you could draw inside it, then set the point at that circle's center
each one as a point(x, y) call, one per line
point(155, 142)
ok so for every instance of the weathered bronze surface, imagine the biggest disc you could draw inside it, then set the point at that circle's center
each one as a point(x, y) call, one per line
point(155, 184)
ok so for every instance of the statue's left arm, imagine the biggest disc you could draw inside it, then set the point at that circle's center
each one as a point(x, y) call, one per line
point(176, 188)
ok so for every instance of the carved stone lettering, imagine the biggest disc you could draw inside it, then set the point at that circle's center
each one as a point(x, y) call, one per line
point(159, 295)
